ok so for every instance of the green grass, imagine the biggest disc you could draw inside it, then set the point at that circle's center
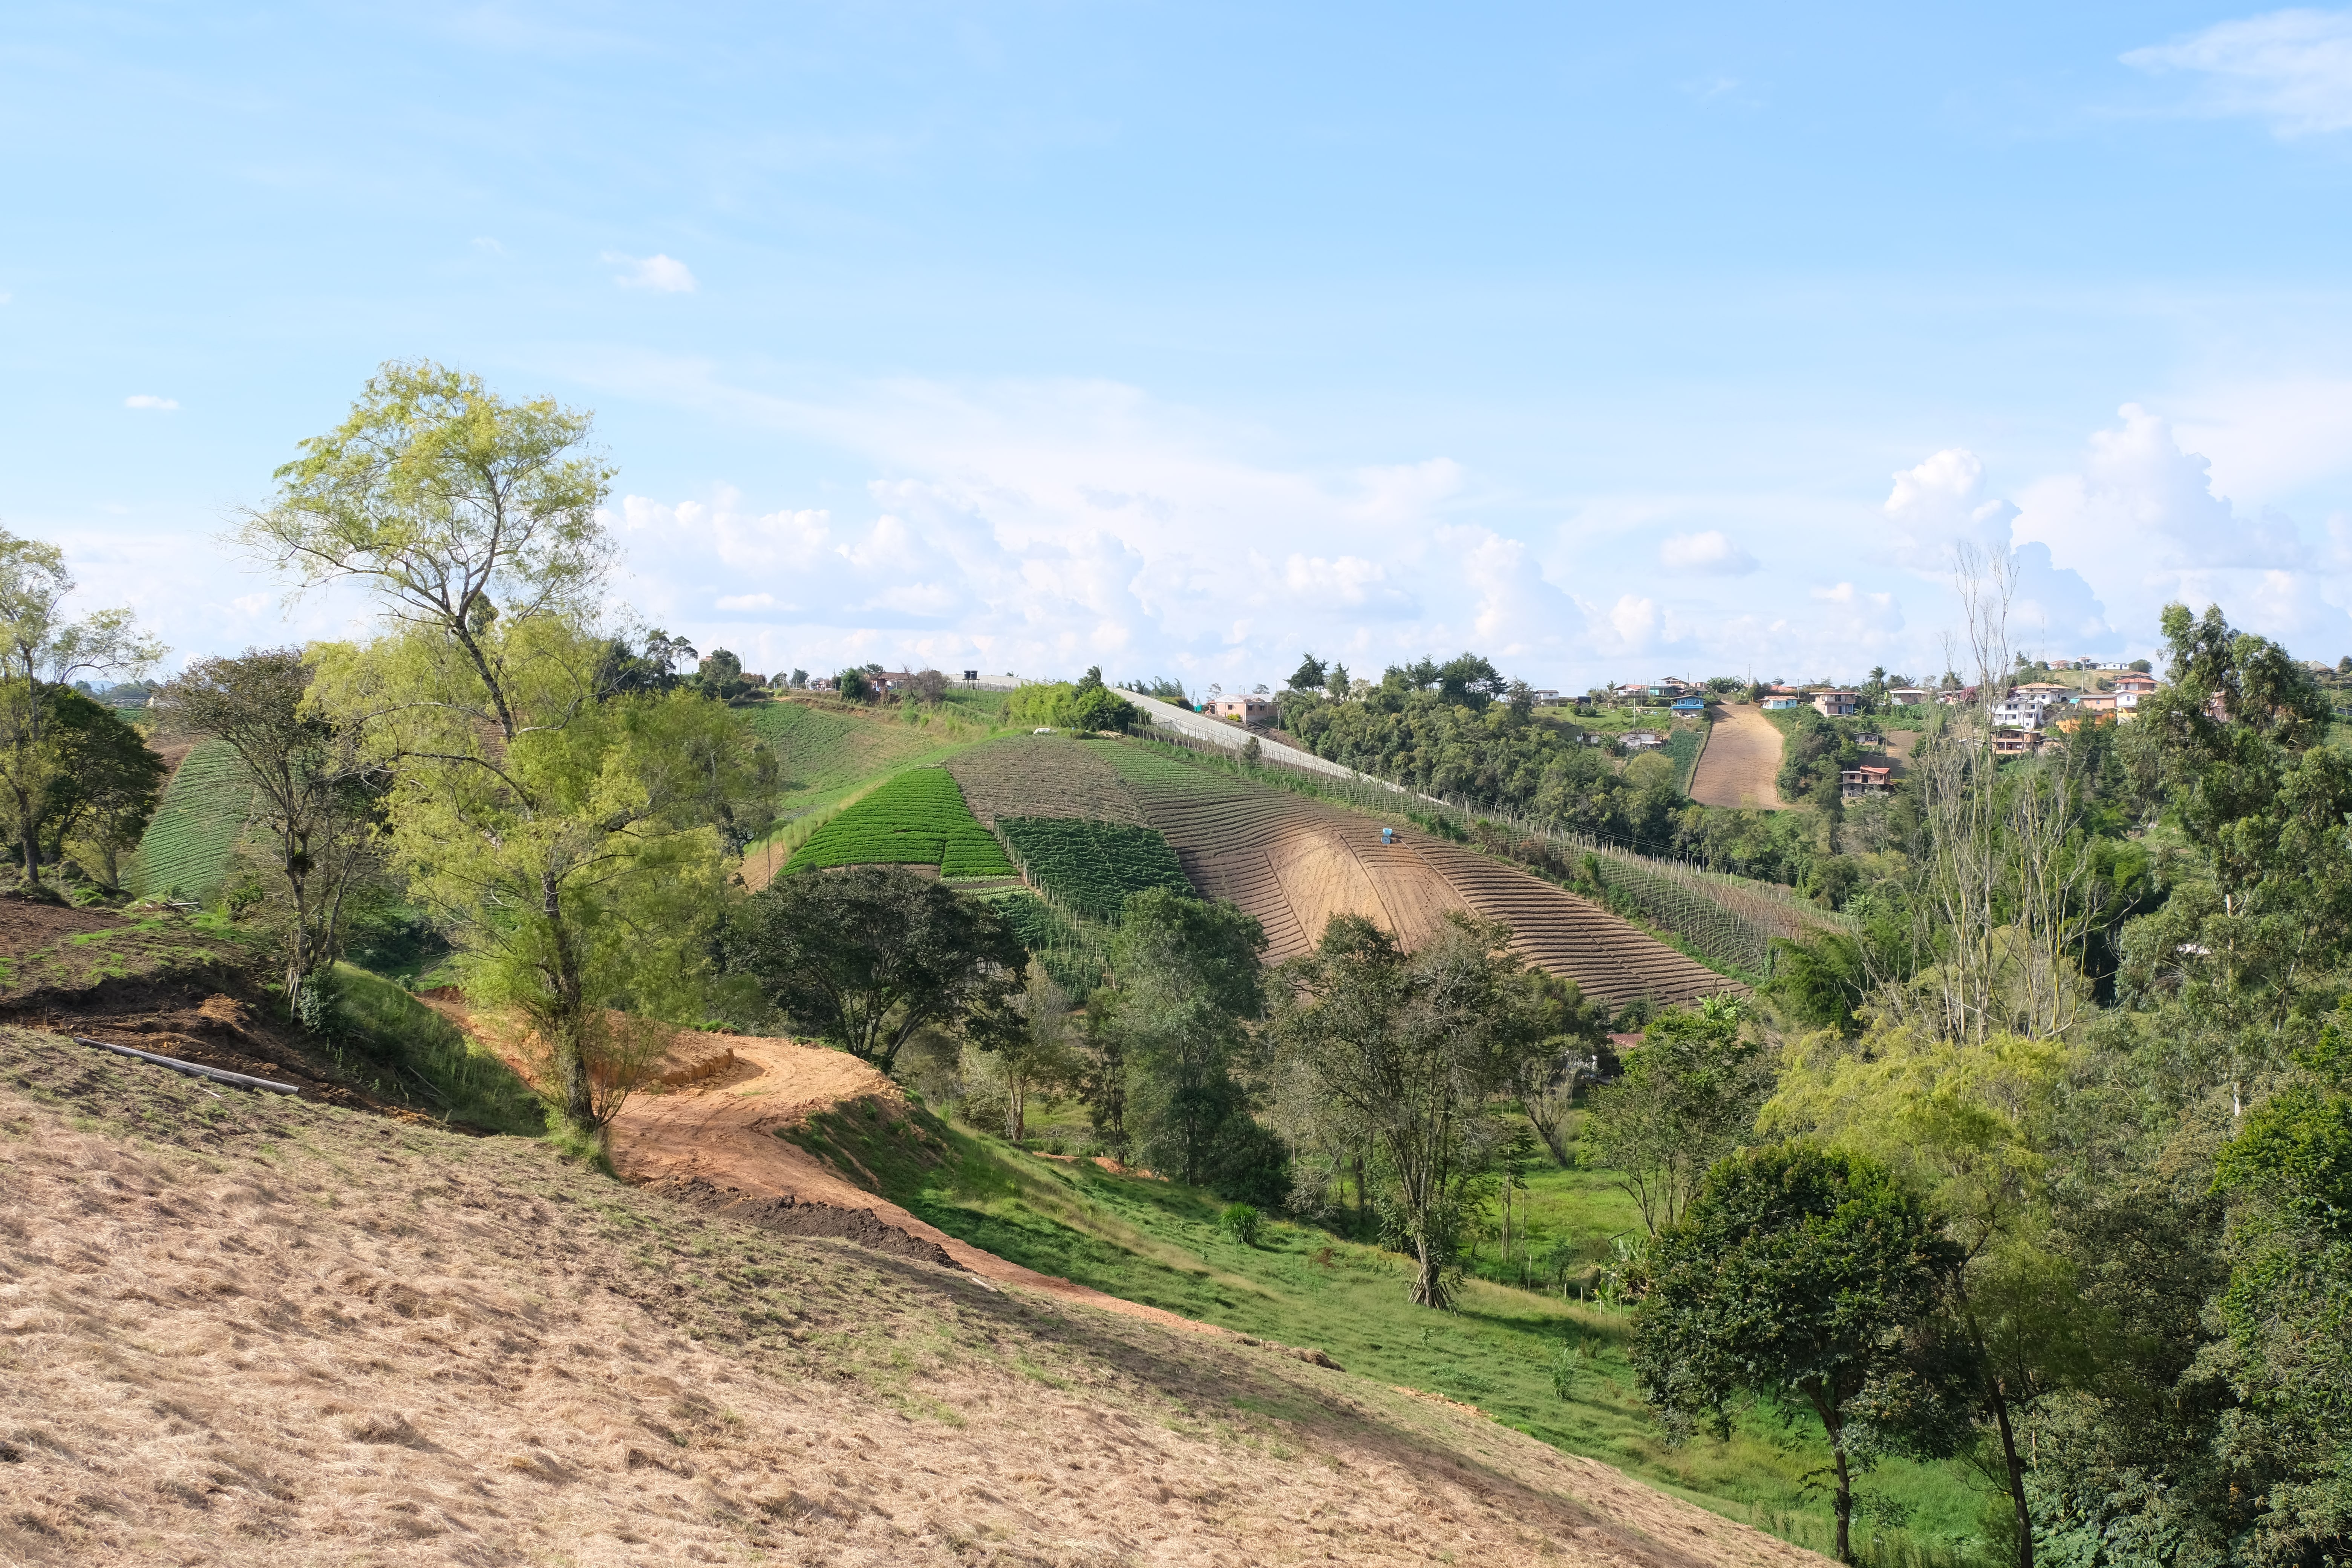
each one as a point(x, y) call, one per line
point(918, 818)
point(1160, 1244)
point(1684, 746)
point(382, 1030)
point(823, 751)
point(187, 845)
point(1093, 865)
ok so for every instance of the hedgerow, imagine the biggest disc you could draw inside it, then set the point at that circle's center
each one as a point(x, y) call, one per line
point(1093, 865)
point(918, 818)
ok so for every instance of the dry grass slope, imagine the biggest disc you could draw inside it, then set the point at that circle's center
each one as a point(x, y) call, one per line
point(1741, 760)
point(235, 1329)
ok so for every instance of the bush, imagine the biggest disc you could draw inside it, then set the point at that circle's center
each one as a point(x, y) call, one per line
point(1239, 1223)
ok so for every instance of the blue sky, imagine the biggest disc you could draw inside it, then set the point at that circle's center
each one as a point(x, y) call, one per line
point(1609, 342)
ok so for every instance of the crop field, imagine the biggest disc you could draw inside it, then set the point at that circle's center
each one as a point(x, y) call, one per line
point(188, 844)
point(1044, 776)
point(1093, 865)
point(822, 751)
point(918, 818)
point(1074, 952)
point(1293, 862)
point(1741, 760)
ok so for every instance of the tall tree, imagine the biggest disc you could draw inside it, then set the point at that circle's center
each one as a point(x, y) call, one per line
point(41, 648)
point(1409, 1047)
point(1804, 1275)
point(572, 842)
point(1687, 1096)
point(1188, 973)
point(107, 785)
point(868, 957)
point(318, 794)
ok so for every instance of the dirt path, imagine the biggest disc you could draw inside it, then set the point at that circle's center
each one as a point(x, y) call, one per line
point(1741, 760)
point(722, 1132)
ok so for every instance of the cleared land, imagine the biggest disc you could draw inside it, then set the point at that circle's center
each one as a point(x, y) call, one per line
point(1741, 760)
point(246, 1330)
point(1044, 776)
point(1293, 862)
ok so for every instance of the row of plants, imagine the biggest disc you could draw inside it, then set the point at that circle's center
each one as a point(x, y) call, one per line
point(188, 843)
point(918, 818)
point(1093, 865)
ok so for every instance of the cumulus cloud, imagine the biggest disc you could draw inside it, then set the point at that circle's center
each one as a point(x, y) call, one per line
point(149, 400)
point(747, 601)
point(662, 274)
point(1941, 503)
point(2291, 67)
point(1710, 551)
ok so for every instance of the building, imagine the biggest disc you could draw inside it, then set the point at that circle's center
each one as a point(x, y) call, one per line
point(1778, 702)
point(2024, 710)
point(1910, 696)
point(1870, 778)
point(1958, 697)
point(1691, 705)
point(2012, 743)
point(2092, 703)
point(1835, 704)
point(1640, 740)
point(1252, 711)
point(2135, 684)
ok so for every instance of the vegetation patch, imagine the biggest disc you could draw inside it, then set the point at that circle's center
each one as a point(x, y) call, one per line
point(187, 846)
point(1093, 865)
point(918, 818)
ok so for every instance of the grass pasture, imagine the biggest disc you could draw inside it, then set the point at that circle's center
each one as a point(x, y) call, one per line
point(1093, 865)
point(1554, 1368)
point(918, 818)
point(187, 845)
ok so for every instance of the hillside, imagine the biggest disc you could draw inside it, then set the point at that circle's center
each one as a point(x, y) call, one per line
point(1741, 760)
point(246, 1329)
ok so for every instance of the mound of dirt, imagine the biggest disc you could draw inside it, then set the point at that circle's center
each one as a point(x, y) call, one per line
point(787, 1215)
point(248, 1330)
point(1741, 760)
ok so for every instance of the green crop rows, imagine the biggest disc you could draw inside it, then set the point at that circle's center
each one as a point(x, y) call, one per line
point(915, 819)
point(187, 845)
point(1093, 865)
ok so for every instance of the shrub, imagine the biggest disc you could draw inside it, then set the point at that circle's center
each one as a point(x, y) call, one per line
point(1239, 1223)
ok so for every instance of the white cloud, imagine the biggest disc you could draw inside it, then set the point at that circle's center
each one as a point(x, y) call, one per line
point(2291, 67)
point(746, 601)
point(1939, 504)
point(1710, 551)
point(149, 400)
point(662, 274)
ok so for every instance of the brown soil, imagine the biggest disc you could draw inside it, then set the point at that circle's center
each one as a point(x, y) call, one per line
point(245, 1329)
point(1043, 775)
point(1293, 862)
point(1741, 760)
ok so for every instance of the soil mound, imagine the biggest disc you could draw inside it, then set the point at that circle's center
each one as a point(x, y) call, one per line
point(787, 1215)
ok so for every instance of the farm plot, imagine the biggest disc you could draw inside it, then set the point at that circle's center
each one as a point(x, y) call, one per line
point(1043, 775)
point(820, 753)
point(1093, 865)
point(188, 843)
point(1741, 760)
point(1293, 862)
point(918, 818)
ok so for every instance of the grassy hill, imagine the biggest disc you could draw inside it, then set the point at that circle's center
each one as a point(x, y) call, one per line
point(188, 844)
point(1549, 1365)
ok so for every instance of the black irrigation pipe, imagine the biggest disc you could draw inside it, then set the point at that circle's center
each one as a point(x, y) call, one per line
point(218, 1075)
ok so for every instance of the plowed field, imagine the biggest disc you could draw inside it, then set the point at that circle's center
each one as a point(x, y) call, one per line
point(1293, 862)
point(1741, 760)
point(1043, 775)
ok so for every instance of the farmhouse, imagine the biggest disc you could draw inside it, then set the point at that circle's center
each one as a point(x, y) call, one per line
point(1910, 696)
point(1692, 705)
point(1870, 778)
point(1779, 701)
point(2136, 685)
point(1640, 740)
point(1835, 704)
point(1242, 709)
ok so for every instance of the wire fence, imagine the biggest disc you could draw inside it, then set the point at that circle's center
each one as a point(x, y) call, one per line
point(1731, 919)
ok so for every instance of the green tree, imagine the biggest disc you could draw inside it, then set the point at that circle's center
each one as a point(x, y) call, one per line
point(319, 797)
point(1688, 1096)
point(1188, 973)
point(1977, 1125)
point(1336, 684)
point(867, 957)
point(1804, 1276)
point(1309, 675)
point(1033, 1048)
point(1408, 1049)
point(41, 648)
point(572, 841)
point(107, 785)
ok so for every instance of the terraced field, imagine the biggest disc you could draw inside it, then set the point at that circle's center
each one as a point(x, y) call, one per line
point(918, 818)
point(188, 843)
point(822, 752)
point(1293, 862)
